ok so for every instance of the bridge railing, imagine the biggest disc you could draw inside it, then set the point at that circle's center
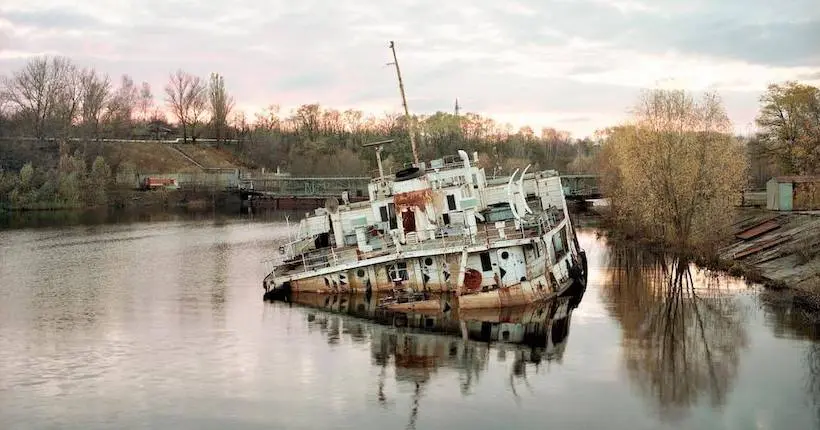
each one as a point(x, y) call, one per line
point(311, 186)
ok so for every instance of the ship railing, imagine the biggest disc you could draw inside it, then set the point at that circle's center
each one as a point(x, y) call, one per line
point(448, 162)
point(436, 239)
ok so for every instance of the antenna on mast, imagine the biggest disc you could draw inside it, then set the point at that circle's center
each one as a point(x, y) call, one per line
point(404, 103)
point(457, 107)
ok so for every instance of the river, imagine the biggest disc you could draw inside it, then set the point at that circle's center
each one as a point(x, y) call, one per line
point(161, 324)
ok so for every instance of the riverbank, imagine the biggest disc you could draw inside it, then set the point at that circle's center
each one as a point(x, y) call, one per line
point(134, 199)
point(780, 250)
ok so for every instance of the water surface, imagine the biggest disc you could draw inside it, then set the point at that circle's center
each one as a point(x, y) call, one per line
point(161, 325)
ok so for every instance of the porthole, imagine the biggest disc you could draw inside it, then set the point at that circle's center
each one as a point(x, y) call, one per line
point(428, 261)
point(360, 273)
point(505, 255)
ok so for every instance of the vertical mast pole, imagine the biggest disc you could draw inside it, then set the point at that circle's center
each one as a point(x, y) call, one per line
point(404, 103)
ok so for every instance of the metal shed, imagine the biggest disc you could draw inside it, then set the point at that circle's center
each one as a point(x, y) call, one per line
point(786, 193)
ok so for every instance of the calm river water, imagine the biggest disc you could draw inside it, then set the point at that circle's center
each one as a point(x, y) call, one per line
point(162, 325)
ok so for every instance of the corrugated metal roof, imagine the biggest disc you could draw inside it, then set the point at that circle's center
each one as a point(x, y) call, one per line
point(758, 229)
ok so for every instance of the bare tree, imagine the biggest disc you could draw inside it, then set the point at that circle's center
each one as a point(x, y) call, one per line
point(34, 90)
point(186, 96)
point(673, 171)
point(68, 101)
point(4, 112)
point(221, 105)
point(120, 114)
point(95, 94)
point(146, 101)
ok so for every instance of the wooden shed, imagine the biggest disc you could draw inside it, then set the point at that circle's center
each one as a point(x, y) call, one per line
point(786, 193)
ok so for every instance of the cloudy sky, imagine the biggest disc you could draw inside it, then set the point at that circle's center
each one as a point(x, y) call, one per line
point(576, 65)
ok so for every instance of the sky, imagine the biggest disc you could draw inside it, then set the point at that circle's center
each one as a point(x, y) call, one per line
point(575, 65)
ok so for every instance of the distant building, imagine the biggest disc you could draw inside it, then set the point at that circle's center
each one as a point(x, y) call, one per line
point(786, 193)
point(159, 129)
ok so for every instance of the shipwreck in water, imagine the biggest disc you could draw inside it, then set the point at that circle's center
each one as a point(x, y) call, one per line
point(438, 227)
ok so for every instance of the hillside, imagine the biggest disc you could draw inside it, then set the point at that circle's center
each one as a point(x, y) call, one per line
point(147, 157)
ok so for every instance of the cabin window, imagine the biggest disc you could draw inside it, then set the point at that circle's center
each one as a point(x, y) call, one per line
point(559, 243)
point(391, 214)
point(397, 271)
point(388, 215)
point(486, 264)
point(451, 202)
point(446, 219)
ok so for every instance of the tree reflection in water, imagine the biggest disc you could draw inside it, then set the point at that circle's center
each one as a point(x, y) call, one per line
point(788, 319)
point(813, 365)
point(682, 333)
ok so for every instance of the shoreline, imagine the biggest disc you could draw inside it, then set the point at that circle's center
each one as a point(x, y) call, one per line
point(779, 250)
point(129, 199)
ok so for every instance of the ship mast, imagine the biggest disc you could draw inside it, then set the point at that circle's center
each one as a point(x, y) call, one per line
point(404, 103)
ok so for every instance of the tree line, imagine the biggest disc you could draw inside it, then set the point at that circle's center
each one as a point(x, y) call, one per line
point(53, 97)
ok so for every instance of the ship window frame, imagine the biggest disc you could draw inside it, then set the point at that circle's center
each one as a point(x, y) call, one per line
point(393, 221)
point(560, 246)
point(486, 262)
point(399, 268)
point(451, 202)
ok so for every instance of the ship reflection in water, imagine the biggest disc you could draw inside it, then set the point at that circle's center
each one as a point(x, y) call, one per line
point(417, 344)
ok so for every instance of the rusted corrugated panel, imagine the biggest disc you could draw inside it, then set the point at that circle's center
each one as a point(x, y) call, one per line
point(758, 229)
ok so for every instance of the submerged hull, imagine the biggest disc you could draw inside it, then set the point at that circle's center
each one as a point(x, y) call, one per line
point(521, 294)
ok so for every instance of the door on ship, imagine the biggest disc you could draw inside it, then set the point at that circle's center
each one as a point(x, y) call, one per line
point(408, 221)
point(511, 266)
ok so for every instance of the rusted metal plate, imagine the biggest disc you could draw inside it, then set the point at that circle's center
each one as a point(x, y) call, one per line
point(417, 198)
point(758, 229)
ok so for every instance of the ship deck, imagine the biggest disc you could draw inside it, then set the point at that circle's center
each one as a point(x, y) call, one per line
point(440, 241)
